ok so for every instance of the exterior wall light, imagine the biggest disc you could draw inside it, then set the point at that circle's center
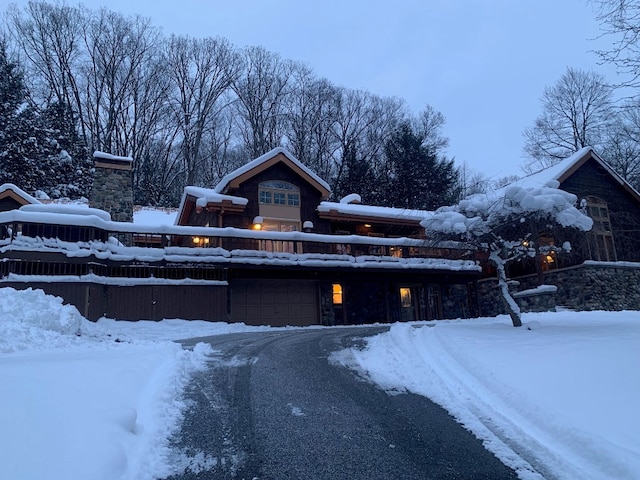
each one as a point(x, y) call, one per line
point(257, 223)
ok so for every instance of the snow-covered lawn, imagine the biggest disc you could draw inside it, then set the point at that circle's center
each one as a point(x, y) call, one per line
point(99, 405)
point(564, 395)
point(561, 394)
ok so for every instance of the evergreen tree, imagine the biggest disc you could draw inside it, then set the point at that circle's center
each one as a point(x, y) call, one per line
point(39, 152)
point(415, 177)
point(69, 156)
point(357, 176)
point(16, 142)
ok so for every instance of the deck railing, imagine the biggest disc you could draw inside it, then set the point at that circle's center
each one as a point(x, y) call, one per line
point(198, 240)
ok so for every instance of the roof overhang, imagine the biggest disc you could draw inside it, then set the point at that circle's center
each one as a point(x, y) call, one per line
point(335, 215)
point(235, 179)
point(589, 153)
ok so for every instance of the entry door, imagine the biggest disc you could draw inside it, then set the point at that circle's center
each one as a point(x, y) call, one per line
point(412, 304)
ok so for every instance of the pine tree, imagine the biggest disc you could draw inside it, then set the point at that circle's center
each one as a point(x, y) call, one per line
point(39, 151)
point(69, 156)
point(357, 176)
point(17, 143)
point(415, 177)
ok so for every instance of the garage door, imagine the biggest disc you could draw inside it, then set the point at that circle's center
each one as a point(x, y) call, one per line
point(274, 302)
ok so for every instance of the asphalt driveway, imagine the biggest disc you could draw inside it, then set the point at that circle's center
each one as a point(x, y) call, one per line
point(271, 406)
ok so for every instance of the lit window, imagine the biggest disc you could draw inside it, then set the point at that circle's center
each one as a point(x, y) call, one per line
point(265, 196)
point(405, 297)
point(337, 294)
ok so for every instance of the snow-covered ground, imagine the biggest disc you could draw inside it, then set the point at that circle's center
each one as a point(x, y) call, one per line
point(99, 400)
point(82, 400)
point(560, 396)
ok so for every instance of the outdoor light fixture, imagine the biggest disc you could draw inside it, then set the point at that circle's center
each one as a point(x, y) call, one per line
point(257, 223)
point(367, 225)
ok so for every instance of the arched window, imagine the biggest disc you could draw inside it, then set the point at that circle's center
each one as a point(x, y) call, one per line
point(601, 244)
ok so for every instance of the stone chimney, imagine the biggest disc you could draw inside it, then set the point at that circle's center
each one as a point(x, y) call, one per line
point(113, 186)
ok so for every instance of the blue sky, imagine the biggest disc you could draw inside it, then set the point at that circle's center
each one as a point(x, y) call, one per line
point(483, 63)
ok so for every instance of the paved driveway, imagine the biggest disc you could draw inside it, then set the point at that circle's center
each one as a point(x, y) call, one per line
point(272, 407)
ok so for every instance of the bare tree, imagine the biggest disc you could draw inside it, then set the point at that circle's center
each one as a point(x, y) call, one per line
point(221, 151)
point(576, 112)
point(471, 182)
point(311, 112)
point(620, 20)
point(50, 38)
point(429, 126)
point(262, 90)
point(200, 71)
point(118, 49)
point(366, 120)
point(622, 146)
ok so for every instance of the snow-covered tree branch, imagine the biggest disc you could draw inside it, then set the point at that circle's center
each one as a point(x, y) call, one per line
point(508, 223)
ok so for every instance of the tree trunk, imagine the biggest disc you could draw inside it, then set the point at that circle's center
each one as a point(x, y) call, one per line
point(512, 307)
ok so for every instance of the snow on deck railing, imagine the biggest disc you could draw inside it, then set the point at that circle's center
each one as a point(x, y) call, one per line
point(116, 228)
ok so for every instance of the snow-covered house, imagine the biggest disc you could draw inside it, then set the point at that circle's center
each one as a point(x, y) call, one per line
point(602, 270)
point(12, 197)
point(264, 246)
point(612, 203)
point(396, 273)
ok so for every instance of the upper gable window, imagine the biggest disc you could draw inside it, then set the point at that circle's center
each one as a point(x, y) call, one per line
point(276, 192)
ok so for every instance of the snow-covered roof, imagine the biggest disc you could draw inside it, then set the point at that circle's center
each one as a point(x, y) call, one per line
point(208, 195)
point(66, 209)
point(108, 156)
point(561, 170)
point(18, 191)
point(154, 216)
point(226, 180)
point(372, 211)
point(205, 196)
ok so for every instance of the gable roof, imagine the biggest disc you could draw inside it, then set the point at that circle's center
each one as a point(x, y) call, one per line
point(17, 194)
point(238, 176)
point(562, 170)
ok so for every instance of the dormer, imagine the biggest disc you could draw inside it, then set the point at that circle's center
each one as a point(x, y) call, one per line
point(273, 192)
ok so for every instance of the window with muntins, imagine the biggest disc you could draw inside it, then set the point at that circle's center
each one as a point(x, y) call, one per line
point(601, 244)
point(277, 192)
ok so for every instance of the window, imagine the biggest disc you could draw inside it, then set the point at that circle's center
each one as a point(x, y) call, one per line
point(337, 294)
point(293, 199)
point(405, 297)
point(276, 192)
point(265, 196)
point(278, 198)
point(601, 245)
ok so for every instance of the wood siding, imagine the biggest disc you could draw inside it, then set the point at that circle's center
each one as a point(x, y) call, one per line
point(593, 180)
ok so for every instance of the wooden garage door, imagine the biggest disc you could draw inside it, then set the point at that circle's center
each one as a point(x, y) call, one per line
point(274, 302)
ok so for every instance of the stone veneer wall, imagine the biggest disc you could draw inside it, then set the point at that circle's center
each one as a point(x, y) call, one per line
point(609, 286)
point(112, 191)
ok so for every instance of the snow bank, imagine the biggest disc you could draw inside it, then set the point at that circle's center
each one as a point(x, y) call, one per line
point(85, 406)
point(557, 398)
point(31, 319)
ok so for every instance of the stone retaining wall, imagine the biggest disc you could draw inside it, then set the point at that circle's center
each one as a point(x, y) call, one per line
point(610, 286)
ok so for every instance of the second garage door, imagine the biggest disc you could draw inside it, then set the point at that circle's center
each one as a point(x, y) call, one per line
point(274, 302)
